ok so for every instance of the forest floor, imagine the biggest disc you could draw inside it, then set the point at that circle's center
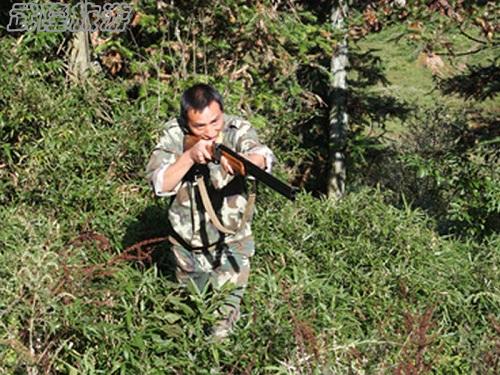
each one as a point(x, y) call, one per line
point(412, 74)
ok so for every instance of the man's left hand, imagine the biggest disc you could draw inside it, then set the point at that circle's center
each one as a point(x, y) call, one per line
point(225, 165)
point(257, 159)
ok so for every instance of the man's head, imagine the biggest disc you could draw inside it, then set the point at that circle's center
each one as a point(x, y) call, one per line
point(202, 110)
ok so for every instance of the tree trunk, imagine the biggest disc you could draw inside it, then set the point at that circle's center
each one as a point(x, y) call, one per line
point(79, 58)
point(338, 110)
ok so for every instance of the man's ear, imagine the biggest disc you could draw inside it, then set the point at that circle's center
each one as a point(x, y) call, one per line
point(183, 124)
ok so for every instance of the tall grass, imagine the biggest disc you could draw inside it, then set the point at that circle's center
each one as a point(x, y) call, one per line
point(357, 286)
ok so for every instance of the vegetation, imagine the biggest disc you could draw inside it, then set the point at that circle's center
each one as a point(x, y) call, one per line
point(400, 276)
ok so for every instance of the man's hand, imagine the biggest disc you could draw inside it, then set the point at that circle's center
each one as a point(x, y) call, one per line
point(200, 153)
point(225, 165)
point(257, 159)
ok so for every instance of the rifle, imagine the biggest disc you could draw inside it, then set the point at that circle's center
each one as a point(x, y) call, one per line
point(244, 167)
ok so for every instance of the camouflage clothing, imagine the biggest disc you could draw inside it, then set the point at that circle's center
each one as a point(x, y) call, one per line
point(228, 193)
point(203, 253)
point(225, 263)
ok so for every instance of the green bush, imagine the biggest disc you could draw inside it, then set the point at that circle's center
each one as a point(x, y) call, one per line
point(446, 163)
point(336, 287)
point(456, 165)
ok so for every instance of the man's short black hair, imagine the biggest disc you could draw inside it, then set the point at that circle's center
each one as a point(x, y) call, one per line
point(199, 97)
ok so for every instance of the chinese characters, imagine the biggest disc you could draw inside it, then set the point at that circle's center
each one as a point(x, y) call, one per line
point(57, 17)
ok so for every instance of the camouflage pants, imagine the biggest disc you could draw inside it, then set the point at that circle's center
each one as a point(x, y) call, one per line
point(227, 263)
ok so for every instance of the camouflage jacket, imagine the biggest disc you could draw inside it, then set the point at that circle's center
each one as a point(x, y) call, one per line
point(188, 219)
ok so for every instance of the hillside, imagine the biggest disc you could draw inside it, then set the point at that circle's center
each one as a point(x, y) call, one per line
point(400, 276)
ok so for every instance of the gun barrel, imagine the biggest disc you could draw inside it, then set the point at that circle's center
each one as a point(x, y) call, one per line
point(261, 175)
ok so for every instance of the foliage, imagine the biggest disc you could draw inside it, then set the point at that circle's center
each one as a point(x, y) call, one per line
point(446, 163)
point(431, 24)
point(458, 166)
point(354, 286)
point(323, 299)
point(438, 151)
point(479, 82)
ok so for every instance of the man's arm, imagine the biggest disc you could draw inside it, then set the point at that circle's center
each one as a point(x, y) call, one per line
point(174, 174)
point(249, 146)
point(198, 154)
point(257, 159)
point(169, 163)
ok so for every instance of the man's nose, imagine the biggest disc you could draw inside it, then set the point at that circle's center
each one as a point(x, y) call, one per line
point(211, 133)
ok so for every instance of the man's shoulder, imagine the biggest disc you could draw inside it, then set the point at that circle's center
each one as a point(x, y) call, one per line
point(172, 125)
point(171, 135)
point(236, 122)
point(172, 129)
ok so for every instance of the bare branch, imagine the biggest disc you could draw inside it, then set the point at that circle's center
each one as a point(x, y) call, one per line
point(465, 53)
point(471, 37)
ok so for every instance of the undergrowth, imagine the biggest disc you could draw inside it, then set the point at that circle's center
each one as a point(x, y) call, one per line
point(357, 286)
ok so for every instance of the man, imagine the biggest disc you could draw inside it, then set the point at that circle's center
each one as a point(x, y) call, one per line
point(211, 246)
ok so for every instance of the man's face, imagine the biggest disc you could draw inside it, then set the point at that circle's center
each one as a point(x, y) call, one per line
point(206, 123)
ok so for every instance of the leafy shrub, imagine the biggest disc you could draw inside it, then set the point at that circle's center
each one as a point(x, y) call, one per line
point(334, 288)
point(446, 163)
point(353, 286)
point(456, 160)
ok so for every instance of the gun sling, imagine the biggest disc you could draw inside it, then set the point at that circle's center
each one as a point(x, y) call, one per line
point(205, 198)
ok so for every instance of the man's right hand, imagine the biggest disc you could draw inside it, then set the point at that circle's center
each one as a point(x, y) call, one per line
point(200, 153)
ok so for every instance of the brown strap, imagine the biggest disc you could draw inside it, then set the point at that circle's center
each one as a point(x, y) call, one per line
point(213, 216)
